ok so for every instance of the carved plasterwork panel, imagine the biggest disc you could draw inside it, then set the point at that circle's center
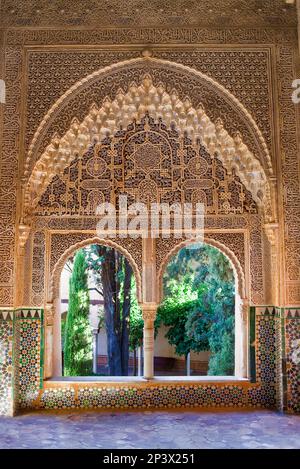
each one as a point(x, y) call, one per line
point(154, 14)
point(256, 260)
point(38, 269)
point(283, 40)
point(173, 35)
point(47, 83)
point(197, 92)
point(290, 176)
point(247, 76)
point(245, 73)
point(9, 170)
point(76, 223)
point(151, 164)
point(61, 242)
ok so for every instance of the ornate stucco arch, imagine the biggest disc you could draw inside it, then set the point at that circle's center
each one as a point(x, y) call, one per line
point(241, 299)
point(234, 262)
point(55, 274)
point(253, 166)
point(151, 90)
point(53, 313)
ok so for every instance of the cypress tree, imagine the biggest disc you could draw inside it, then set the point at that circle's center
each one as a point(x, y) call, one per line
point(78, 334)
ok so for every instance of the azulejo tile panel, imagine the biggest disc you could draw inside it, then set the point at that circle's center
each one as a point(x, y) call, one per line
point(6, 362)
point(29, 340)
point(280, 363)
point(124, 396)
point(21, 363)
point(173, 395)
point(292, 342)
point(266, 355)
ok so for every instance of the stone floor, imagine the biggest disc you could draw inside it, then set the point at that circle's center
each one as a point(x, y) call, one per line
point(151, 430)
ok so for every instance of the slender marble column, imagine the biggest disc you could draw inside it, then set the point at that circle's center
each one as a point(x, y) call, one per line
point(149, 313)
point(95, 335)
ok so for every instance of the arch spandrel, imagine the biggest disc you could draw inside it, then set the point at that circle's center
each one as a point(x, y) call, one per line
point(159, 102)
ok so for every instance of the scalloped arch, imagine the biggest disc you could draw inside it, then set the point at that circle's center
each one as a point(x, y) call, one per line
point(234, 262)
point(55, 275)
point(158, 103)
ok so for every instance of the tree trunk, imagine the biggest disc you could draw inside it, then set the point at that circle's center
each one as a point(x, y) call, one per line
point(108, 280)
point(126, 318)
point(116, 320)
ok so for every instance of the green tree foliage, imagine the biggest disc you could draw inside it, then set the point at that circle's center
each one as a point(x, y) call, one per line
point(113, 276)
point(77, 331)
point(175, 318)
point(199, 306)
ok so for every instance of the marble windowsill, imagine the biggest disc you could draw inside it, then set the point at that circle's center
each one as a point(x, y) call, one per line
point(137, 379)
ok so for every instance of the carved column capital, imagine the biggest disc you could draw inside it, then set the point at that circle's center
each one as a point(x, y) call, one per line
point(149, 311)
point(49, 314)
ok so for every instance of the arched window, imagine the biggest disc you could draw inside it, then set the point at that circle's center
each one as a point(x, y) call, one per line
point(98, 327)
point(199, 328)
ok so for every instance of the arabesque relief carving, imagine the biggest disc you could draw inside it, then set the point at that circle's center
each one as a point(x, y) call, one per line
point(133, 105)
point(149, 163)
point(227, 80)
point(283, 40)
point(245, 14)
point(253, 68)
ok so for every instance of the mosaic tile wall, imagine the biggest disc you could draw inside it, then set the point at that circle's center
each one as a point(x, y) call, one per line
point(274, 344)
point(6, 362)
point(29, 356)
point(142, 395)
point(265, 354)
point(292, 357)
point(261, 392)
point(280, 362)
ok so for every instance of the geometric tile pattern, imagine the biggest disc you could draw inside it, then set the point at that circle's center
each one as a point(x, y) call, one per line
point(265, 349)
point(157, 395)
point(263, 396)
point(61, 398)
point(264, 392)
point(292, 343)
point(29, 360)
point(6, 363)
point(265, 357)
point(136, 395)
point(280, 362)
